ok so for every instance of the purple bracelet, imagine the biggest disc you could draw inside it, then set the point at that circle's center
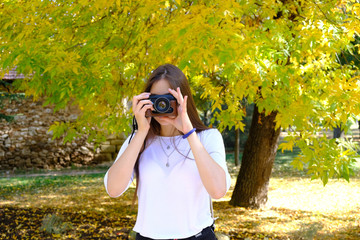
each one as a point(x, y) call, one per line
point(188, 134)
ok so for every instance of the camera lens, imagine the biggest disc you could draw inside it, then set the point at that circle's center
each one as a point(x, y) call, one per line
point(162, 105)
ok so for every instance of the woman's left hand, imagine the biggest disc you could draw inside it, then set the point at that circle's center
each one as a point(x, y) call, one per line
point(181, 121)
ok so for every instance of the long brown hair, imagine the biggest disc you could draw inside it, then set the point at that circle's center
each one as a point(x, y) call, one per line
point(176, 78)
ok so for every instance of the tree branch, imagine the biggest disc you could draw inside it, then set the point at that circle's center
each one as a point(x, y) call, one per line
point(317, 5)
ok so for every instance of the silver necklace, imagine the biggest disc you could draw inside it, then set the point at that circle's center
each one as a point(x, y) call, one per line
point(167, 156)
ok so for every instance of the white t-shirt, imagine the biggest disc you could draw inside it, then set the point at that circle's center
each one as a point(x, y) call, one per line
point(172, 201)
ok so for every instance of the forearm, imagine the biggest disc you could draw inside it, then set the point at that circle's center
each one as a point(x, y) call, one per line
point(121, 171)
point(211, 173)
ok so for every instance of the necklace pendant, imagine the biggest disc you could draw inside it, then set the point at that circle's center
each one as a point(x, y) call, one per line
point(167, 165)
point(168, 147)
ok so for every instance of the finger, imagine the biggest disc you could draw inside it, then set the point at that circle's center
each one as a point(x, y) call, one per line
point(139, 97)
point(185, 104)
point(174, 93)
point(145, 108)
point(142, 113)
point(179, 94)
point(143, 95)
point(142, 104)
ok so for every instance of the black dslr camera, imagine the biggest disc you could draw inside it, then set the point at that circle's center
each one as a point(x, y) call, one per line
point(164, 105)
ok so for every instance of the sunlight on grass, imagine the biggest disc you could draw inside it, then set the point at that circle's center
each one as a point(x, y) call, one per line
point(297, 208)
point(305, 195)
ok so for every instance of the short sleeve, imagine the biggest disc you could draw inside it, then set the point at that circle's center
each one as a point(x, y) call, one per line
point(122, 149)
point(213, 142)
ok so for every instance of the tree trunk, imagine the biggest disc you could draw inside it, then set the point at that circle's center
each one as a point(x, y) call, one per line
point(252, 184)
point(338, 133)
point(237, 146)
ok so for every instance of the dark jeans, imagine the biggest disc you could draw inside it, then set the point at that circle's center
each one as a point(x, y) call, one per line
point(205, 234)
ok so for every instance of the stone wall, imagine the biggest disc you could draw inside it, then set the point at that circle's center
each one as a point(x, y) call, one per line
point(27, 144)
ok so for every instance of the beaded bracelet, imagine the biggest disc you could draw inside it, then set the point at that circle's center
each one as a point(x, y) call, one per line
point(188, 134)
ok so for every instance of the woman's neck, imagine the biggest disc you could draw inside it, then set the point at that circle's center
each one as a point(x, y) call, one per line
point(169, 131)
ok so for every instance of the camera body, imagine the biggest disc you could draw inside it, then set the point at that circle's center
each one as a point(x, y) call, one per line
point(164, 105)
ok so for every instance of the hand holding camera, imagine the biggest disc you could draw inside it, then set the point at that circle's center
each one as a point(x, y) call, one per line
point(181, 121)
point(140, 104)
point(164, 105)
point(171, 106)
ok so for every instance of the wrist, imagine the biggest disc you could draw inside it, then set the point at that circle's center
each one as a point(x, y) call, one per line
point(187, 129)
point(142, 133)
point(187, 134)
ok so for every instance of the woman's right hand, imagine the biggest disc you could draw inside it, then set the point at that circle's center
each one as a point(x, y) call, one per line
point(140, 105)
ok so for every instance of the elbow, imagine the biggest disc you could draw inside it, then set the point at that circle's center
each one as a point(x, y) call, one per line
point(112, 193)
point(112, 190)
point(218, 193)
point(220, 188)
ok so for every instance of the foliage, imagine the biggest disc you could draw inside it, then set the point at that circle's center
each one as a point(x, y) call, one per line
point(332, 163)
point(229, 134)
point(4, 96)
point(280, 55)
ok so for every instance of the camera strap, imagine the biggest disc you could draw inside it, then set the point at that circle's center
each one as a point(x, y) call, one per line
point(134, 127)
point(212, 211)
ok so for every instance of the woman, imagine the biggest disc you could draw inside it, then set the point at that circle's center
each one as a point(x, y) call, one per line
point(179, 164)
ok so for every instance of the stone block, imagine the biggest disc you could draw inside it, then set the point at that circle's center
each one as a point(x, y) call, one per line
point(111, 137)
point(25, 152)
point(36, 161)
point(19, 117)
point(116, 142)
point(87, 160)
point(84, 150)
point(61, 161)
point(8, 141)
point(19, 145)
point(103, 157)
point(34, 154)
point(107, 148)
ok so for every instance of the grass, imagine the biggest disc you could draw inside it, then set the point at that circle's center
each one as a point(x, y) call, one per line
point(282, 162)
point(297, 208)
point(6, 173)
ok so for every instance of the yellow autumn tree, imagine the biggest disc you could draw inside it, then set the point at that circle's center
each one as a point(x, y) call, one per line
point(281, 55)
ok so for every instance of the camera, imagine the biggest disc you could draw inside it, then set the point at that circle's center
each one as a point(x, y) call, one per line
point(164, 105)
